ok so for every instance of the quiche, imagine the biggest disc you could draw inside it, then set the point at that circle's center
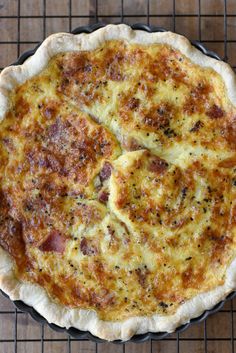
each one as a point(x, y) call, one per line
point(118, 181)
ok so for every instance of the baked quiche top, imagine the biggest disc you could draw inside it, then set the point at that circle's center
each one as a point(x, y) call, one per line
point(118, 182)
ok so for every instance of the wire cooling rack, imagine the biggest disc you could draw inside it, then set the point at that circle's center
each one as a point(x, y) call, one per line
point(23, 24)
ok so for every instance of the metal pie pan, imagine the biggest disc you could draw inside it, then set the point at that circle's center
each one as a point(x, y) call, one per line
point(83, 335)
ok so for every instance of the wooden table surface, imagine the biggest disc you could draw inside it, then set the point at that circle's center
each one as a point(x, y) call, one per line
point(31, 28)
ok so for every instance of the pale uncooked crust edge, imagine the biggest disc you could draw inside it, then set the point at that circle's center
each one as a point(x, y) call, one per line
point(36, 296)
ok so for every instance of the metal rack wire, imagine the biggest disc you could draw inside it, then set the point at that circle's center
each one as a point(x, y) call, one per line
point(148, 16)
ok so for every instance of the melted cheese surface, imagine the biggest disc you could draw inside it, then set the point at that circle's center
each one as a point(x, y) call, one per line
point(118, 180)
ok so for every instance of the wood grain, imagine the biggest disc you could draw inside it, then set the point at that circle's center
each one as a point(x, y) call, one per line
point(31, 29)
